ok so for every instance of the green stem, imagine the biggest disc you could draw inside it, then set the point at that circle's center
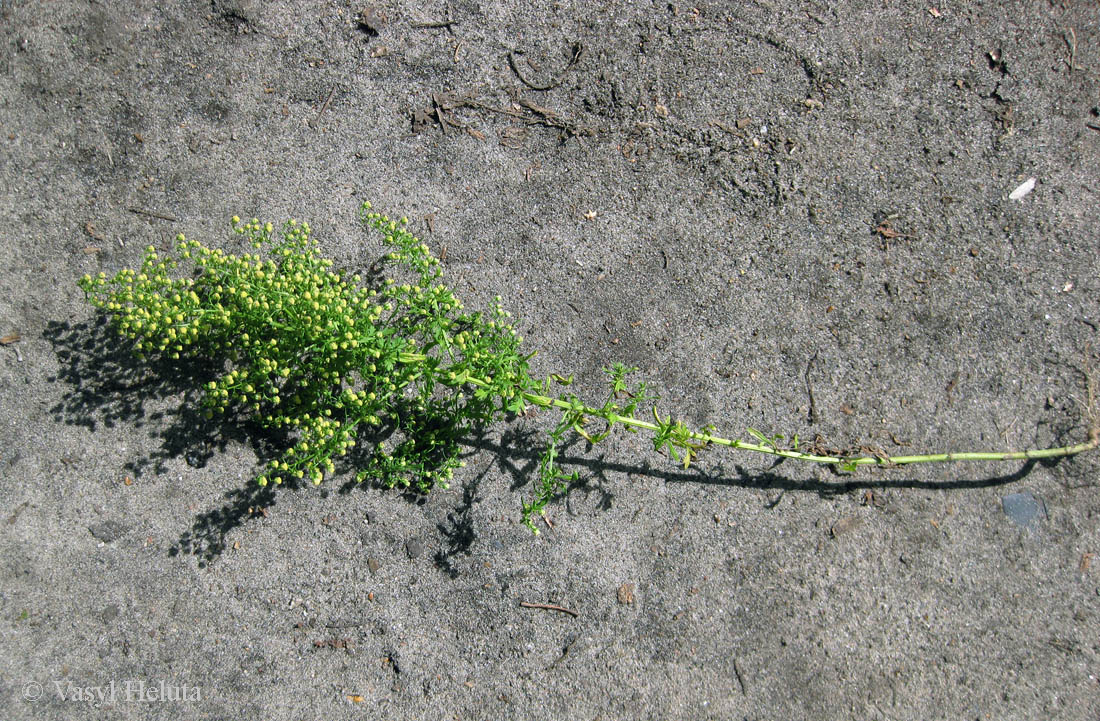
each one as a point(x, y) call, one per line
point(706, 438)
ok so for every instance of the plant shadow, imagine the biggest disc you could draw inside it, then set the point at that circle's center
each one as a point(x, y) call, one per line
point(518, 453)
point(109, 385)
point(459, 532)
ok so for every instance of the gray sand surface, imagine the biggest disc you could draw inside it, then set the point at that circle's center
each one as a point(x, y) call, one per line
point(793, 216)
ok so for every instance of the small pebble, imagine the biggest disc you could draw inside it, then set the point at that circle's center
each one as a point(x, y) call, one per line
point(1023, 189)
point(414, 547)
point(845, 525)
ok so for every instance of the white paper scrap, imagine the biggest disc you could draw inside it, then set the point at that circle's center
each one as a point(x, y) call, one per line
point(1024, 188)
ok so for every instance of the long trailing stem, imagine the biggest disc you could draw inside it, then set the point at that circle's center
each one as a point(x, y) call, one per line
point(853, 461)
point(698, 439)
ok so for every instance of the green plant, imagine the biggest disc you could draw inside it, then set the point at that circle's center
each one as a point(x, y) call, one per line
point(317, 355)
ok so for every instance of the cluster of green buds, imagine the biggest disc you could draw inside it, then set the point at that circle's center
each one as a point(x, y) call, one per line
point(315, 353)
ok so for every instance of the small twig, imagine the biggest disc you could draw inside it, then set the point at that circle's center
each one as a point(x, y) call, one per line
point(546, 113)
point(740, 677)
point(549, 607)
point(1090, 397)
point(153, 214)
point(324, 105)
point(543, 116)
point(901, 444)
point(502, 111)
point(569, 646)
point(573, 58)
point(440, 105)
point(434, 24)
point(1071, 40)
point(810, 390)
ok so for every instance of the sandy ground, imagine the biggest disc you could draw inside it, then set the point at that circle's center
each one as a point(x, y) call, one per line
point(790, 216)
